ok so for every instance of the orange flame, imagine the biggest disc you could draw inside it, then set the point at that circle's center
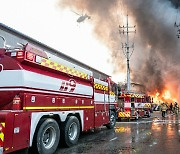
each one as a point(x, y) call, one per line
point(164, 96)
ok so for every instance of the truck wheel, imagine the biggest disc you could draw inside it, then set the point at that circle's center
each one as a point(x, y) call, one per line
point(47, 137)
point(70, 131)
point(112, 120)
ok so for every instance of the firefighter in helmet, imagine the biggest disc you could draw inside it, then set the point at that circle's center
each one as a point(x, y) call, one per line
point(163, 109)
point(176, 108)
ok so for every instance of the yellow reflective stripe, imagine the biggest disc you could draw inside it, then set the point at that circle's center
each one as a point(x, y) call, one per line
point(100, 86)
point(57, 107)
point(127, 114)
point(147, 105)
point(59, 67)
point(112, 93)
point(2, 136)
point(2, 133)
point(123, 114)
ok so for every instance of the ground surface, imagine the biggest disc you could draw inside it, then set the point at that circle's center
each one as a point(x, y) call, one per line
point(145, 136)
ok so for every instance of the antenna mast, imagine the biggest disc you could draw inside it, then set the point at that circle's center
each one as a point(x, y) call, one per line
point(126, 30)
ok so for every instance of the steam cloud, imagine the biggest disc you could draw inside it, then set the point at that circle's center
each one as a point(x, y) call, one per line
point(157, 49)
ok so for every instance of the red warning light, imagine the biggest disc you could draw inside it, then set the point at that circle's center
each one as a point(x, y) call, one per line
point(20, 54)
point(30, 56)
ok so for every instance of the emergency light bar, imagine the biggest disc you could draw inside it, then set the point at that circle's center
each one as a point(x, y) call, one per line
point(35, 50)
point(30, 53)
point(38, 56)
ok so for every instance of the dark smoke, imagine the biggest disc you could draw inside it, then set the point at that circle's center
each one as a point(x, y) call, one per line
point(101, 12)
point(155, 30)
point(157, 51)
point(176, 3)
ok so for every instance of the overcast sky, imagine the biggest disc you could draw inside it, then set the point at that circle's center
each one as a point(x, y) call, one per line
point(46, 22)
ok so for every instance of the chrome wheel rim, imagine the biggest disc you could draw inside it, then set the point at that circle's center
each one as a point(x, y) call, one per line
point(49, 137)
point(73, 131)
point(112, 119)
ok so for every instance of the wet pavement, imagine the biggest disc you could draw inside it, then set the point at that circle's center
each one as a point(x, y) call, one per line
point(145, 136)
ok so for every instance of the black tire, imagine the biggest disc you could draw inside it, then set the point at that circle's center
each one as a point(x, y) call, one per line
point(70, 131)
point(112, 120)
point(47, 137)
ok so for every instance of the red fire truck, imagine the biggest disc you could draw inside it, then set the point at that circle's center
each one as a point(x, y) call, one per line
point(134, 105)
point(45, 99)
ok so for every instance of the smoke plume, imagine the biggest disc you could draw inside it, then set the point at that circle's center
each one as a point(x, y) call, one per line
point(157, 49)
point(176, 3)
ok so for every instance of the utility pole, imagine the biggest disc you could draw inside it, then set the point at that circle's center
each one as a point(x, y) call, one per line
point(178, 29)
point(177, 21)
point(126, 30)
